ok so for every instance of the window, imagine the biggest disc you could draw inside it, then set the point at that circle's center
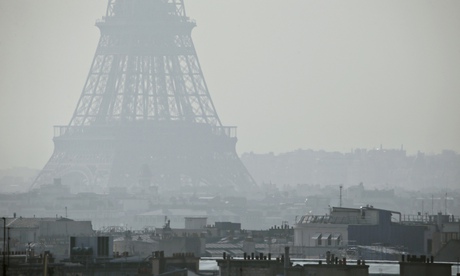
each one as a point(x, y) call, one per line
point(336, 239)
point(316, 238)
point(326, 239)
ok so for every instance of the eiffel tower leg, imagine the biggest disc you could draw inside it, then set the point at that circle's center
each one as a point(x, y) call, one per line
point(145, 107)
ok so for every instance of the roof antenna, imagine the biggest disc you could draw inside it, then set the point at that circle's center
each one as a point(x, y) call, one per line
point(340, 203)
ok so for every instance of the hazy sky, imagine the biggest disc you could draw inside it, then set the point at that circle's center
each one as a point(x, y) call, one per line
point(332, 75)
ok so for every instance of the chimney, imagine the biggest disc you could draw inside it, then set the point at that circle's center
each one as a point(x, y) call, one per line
point(287, 262)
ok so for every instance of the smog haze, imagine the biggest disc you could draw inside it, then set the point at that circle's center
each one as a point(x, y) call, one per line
point(332, 75)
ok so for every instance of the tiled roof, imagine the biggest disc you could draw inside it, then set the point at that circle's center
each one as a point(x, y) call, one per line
point(21, 222)
point(216, 253)
point(261, 246)
point(237, 252)
point(222, 246)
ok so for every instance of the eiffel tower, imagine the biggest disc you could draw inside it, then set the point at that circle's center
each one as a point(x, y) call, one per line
point(145, 116)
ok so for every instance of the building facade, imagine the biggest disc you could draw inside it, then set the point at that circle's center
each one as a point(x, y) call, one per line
point(366, 226)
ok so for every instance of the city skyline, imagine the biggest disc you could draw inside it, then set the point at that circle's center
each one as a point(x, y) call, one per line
point(329, 76)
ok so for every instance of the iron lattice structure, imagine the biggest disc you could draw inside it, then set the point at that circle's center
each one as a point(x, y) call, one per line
point(145, 115)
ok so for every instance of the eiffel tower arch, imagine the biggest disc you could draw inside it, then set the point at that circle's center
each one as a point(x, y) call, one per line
point(145, 106)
